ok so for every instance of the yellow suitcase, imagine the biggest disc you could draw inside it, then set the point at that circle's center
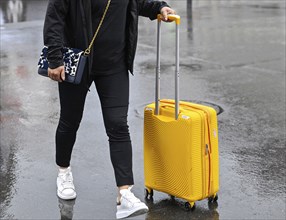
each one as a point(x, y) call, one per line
point(181, 156)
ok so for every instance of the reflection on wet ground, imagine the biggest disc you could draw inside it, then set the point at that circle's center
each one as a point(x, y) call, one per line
point(22, 10)
point(170, 208)
point(232, 58)
point(66, 209)
point(8, 177)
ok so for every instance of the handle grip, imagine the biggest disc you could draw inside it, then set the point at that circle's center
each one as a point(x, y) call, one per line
point(175, 18)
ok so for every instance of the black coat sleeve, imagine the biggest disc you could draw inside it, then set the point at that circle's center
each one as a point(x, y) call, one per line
point(54, 30)
point(150, 8)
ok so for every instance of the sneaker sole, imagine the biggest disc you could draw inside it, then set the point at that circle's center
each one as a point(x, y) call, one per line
point(66, 197)
point(134, 212)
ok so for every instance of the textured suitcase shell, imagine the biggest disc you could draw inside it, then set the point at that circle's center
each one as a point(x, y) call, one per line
point(181, 157)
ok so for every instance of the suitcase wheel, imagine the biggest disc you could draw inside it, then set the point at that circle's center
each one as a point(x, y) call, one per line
point(190, 206)
point(213, 198)
point(148, 193)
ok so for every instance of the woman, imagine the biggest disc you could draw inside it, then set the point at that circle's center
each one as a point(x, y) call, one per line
point(72, 23)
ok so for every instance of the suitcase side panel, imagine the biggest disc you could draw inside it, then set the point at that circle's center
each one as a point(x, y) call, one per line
point(213, 139)
point(214, 145)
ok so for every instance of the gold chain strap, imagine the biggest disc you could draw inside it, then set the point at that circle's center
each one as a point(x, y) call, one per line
point(87, 51)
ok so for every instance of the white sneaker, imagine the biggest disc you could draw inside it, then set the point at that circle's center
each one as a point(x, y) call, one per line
point(128, 204)
point(66, 189)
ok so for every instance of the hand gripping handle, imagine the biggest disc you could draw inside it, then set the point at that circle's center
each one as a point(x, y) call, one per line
point(177, 19)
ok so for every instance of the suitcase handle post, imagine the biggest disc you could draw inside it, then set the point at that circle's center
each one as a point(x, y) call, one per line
point(177, 19)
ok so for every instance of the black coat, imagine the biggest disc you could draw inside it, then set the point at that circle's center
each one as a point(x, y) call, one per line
point(68, 23)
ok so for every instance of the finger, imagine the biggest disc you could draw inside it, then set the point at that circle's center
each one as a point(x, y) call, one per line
point(165, 14)
point(53, 77)
point(171, 12)
point(49, 72)
point(63, 74)
point(56, 77)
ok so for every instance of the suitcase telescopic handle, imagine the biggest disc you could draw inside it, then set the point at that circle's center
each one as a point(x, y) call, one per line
point(177, 19)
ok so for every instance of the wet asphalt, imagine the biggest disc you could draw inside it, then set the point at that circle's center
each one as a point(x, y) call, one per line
point(232, 58)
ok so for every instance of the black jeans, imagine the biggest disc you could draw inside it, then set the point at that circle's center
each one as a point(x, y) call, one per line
point(113, 91)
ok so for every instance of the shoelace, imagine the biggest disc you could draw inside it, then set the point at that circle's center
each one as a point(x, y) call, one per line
point(129, 196)
point(67, 180)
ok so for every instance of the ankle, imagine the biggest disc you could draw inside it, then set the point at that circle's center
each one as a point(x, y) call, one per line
point(63, 169)
point(121, 188)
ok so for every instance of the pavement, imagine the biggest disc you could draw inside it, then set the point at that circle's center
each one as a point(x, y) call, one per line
point(232, 58)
